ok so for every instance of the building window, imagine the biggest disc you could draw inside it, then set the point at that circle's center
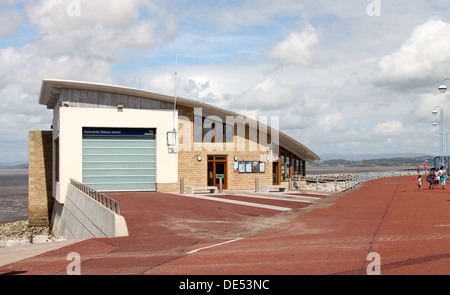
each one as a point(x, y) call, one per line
point(290, 165)
point(207, 130)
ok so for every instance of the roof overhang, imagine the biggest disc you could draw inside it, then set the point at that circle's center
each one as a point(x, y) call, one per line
point(51, 89)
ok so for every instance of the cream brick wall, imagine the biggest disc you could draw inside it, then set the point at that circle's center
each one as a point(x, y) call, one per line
point(40, 199)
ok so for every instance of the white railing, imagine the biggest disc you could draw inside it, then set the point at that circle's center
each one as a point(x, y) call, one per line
point(109, 203)
point(346, 181)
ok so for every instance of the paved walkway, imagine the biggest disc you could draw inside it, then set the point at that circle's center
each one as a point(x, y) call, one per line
point(409, 230)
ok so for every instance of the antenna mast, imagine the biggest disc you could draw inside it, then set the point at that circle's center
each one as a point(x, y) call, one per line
point(172, 137)
point(175, 96)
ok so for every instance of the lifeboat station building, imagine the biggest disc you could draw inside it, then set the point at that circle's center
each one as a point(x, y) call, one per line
point(113, 138)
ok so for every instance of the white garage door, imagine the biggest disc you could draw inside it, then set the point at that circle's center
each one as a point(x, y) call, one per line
point(119, 159)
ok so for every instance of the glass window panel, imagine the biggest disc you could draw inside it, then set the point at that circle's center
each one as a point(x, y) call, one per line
point(113, 158)
point(198, 129)
point(118, 142)
point(118, 151)
point(88, 165)
point(124, 187)
point(117, 179)
point(125, 172)
point(229, 130)
point(288, 165)
point(208, 129)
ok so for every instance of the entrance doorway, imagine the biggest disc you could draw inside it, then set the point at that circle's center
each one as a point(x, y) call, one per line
point(217, 169)
point(275, 173)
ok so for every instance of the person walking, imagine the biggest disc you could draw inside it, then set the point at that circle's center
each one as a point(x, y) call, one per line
point(437, 179)
point(430, 178)
point(443, 176)
point(419, 181)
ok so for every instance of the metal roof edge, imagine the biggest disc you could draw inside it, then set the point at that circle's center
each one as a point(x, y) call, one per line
point(48, 84)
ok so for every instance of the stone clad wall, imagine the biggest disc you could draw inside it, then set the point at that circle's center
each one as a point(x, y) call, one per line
point(40, 199)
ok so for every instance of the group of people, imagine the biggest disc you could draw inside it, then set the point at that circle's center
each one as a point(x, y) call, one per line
point(435, 178)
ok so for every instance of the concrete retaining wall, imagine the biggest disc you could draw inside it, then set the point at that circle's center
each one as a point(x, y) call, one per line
point(81, 217)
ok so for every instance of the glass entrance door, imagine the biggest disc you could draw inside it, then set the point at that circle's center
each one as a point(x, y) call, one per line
point(275, 173)
point(217, 169)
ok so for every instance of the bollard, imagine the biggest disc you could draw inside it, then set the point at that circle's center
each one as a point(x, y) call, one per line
point(181, 185)
point(290, 185)
point(257, 185)
point(220, 185)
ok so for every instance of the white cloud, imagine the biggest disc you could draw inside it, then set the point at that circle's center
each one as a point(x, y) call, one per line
point(297, 49)
point(335, 123)
point(424, 56)
point(389, 128)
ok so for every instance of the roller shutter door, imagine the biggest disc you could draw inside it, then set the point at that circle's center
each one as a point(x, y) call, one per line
point(119, 159)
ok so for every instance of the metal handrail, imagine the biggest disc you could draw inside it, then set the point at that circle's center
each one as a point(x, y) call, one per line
point(356, 179)
point(109, 203)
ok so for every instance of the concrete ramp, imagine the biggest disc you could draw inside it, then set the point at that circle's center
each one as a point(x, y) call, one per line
point(82, 217)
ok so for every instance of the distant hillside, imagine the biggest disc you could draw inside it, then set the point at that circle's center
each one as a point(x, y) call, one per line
point(361, 157)
point(388, 162)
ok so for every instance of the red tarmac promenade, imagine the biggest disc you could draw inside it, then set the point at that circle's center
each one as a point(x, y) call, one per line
point(409, 230)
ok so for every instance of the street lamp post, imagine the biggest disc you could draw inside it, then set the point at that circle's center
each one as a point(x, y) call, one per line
point(442, 89)
point(446, 147)
point(441, 125)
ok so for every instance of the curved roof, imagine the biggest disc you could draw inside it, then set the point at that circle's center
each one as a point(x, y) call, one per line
point(50, 92)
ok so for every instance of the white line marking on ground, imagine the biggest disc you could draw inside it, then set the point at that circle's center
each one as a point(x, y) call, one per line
point(281, 198)
point(239, 202)
point(215, 245)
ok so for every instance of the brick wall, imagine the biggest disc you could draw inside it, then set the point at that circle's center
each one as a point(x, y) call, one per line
point(40, 199)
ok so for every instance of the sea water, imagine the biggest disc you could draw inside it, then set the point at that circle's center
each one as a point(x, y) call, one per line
point(13, 195)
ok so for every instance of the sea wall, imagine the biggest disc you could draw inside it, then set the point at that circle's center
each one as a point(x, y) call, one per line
point(82, 217)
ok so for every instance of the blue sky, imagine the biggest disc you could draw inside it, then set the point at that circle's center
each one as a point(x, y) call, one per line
point(340, 80)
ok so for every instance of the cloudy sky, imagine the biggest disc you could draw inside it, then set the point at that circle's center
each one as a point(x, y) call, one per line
point(349, 76)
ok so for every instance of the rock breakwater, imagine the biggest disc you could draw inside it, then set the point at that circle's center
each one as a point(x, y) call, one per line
point(19, 233)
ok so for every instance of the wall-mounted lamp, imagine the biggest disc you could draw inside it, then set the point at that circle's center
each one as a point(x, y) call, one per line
point(235, 158)
point(199, 158)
